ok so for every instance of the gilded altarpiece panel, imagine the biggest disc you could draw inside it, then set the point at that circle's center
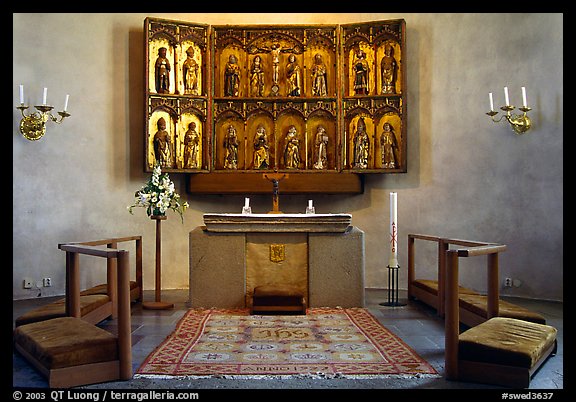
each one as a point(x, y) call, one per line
point(314, 99)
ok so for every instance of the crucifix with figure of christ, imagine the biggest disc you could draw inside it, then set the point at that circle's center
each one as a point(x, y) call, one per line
point(275, 178)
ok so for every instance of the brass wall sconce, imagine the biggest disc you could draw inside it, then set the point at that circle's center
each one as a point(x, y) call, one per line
point(520, 123)
point(33, 125)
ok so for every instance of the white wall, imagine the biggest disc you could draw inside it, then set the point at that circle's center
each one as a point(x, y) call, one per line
point(467, 177)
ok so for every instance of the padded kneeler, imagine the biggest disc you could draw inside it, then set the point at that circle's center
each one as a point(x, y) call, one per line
point(269, 298)
point(506, 351)
point(67, 349)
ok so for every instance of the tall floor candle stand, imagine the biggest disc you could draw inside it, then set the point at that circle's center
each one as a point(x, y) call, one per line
point(392, 288)
point(158, 304)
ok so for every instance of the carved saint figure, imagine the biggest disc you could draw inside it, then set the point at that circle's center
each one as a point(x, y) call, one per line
point(319, 86)
point(257, 77)
point(389, 147)
point(261, 156)
point(389, 68)
point(320, 144)
point(360, 69)
point(232, 77)
point(361, 146)
point(231, 146)
point(293, 76)
point(162, 72)
point(190, 73)
point(162, 145)
point(191, 147)
point(292, 149)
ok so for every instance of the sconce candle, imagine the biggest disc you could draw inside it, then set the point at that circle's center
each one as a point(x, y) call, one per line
point(246, 202)
point(309, 203)
point(506, 96)
point(45, 96)
point(491, 101)
point(524, 103)
point(66, 102)
point(21, 94)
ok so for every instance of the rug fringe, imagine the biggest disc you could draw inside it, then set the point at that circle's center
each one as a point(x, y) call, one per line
point(315, 376)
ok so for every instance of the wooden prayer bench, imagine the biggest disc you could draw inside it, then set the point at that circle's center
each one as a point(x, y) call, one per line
point(500, 350)
point(69, 351)
point(96, 303)
point(277, 299)
point(473, 305)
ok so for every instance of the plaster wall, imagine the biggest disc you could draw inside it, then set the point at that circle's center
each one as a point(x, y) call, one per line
point(467, 177)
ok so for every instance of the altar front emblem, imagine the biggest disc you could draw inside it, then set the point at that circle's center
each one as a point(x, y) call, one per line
point(277, 252)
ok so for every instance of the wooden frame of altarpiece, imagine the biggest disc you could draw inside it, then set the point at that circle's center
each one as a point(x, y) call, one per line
point(330, 100)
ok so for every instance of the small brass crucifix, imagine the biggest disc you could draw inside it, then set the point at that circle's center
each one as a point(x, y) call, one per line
point(275, 178)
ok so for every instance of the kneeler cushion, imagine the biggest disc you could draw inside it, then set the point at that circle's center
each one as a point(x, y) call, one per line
point(58, 309)
point(478, 304)
point(506, 341)
point(65, 342)
point(276, 296)
point(431, 286)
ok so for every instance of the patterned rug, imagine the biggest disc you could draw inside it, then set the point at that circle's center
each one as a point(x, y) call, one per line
point(326, 342)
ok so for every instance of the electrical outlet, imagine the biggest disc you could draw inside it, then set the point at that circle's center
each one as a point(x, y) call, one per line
point(47, 282)
point(507, 282)
point(27, 283)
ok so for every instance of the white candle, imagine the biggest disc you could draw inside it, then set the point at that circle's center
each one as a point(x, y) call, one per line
point(21, 94)
point(393, 262)
point(524, 97)
point(309, 203)
point(66, 103)
point(45, 96)
point(506, 96)
point(246, 202)
point(491, 101)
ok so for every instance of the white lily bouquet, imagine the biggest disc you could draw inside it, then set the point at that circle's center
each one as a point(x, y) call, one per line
point(158, 196)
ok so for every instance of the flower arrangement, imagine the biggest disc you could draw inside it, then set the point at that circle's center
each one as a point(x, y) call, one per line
point(158, 195)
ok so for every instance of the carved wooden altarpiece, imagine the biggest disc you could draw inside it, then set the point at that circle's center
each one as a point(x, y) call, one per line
point(227, 104)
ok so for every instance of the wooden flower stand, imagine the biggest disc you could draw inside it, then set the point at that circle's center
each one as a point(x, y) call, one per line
point(158, 304)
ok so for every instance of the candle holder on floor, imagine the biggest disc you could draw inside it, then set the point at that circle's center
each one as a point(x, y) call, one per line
point(393, 288)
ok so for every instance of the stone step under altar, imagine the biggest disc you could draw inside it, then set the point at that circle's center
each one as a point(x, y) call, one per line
point(308, 223)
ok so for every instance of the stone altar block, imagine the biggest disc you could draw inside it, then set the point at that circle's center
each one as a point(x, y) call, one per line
point(223, 262)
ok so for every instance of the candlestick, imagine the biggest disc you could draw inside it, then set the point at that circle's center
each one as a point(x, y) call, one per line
point(524, 103)
point(506, 96)
point(45, 96)
point(393, 262)
point(491, 101)
point(310, 208)
point(66, 102)
point(21, 94)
